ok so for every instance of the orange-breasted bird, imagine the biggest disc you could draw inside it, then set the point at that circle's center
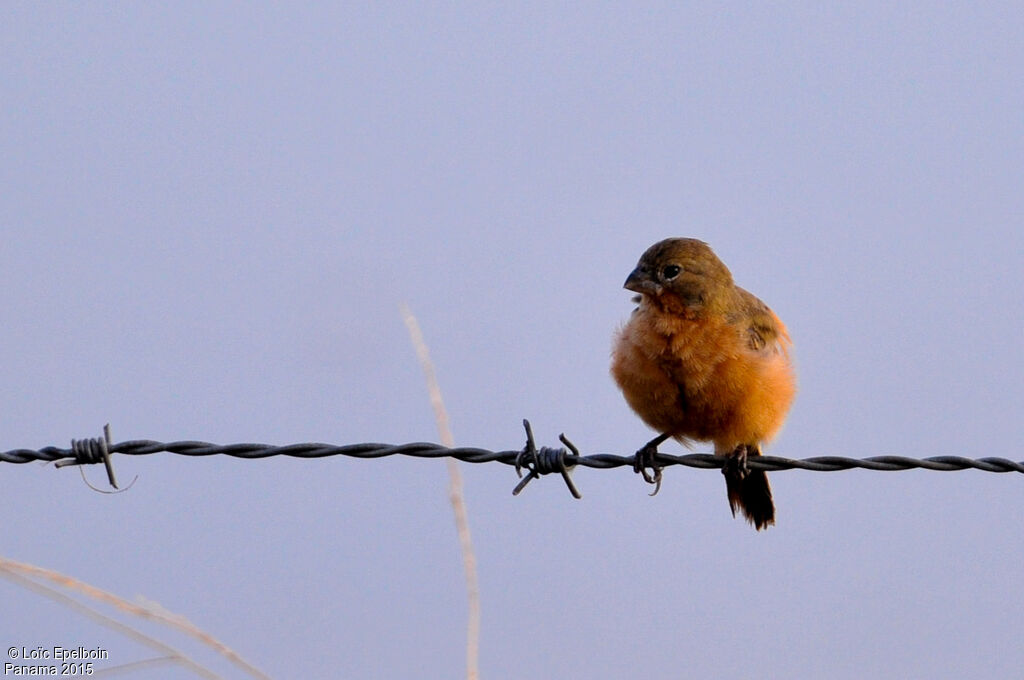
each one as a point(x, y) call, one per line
point(701, 359)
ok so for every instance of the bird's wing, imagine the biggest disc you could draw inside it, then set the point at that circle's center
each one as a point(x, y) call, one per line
point(764, 331)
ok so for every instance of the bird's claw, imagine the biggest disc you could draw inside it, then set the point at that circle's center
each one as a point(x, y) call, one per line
point(735, 465)
point(644, 463)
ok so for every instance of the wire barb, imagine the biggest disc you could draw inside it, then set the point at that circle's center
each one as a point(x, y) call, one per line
point(90, 451)
point(544, 461)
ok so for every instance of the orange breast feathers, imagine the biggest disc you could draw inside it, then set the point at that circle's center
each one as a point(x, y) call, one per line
point(701, 378)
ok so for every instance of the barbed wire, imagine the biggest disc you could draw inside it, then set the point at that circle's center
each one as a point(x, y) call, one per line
point(536, 461)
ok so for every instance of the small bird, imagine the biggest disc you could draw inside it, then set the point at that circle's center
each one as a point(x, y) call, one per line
point(702, 359)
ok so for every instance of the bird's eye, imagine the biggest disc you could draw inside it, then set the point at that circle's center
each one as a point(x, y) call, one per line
point(670, 272)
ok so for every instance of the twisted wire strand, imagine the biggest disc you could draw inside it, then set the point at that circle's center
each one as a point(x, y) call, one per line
point(546, 462)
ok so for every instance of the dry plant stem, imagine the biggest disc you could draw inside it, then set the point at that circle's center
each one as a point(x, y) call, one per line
point(454, 495)
point(15, 568)
point(171, 656)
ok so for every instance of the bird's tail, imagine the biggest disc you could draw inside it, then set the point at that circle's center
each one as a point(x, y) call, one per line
point(750, 491)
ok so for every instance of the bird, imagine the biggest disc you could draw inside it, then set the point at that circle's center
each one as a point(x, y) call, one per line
point(701, 359)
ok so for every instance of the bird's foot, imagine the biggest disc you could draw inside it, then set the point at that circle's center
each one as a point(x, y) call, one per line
point(735, 465)
point(644, 462)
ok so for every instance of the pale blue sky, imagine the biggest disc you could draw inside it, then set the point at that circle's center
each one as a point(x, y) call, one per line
point(210, 215)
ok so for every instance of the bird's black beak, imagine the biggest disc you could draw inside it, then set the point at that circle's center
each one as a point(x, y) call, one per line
point(639, 281)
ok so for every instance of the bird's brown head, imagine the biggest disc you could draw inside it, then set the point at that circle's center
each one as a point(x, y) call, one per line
point(682, 274)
